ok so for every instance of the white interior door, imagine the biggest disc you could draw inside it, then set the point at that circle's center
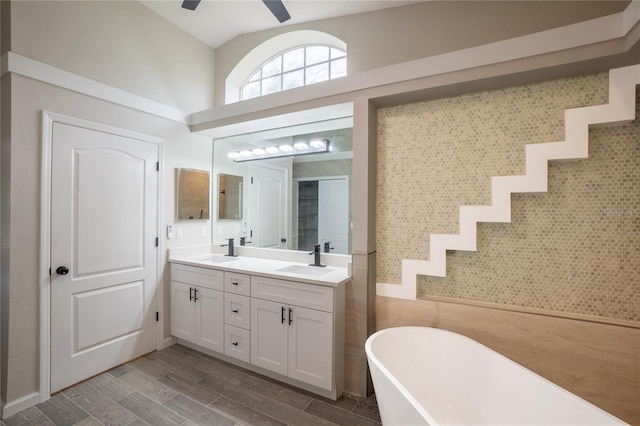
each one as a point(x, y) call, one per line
point(267, 206)
point(333, 214)
point(103, 251)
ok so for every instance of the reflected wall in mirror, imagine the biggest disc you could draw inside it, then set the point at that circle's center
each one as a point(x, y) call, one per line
point(293, 202)
point(230, 196)
point(192, 194)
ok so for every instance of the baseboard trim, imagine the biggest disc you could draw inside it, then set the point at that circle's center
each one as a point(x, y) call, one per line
point(14, 407)
point(169, 341)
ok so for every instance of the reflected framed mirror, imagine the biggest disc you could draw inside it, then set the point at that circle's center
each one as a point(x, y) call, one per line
point(192, 194)
point(230, 196)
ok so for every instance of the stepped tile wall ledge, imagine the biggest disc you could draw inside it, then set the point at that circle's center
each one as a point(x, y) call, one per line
point(621, 108)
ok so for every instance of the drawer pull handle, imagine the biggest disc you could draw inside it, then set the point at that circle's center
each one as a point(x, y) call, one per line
point(235, 343)
point(190, 294)
point(290, 319)
point(235, 311)
point(195, 294)
point(282, 315)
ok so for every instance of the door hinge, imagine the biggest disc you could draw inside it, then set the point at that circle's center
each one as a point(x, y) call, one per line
point(157, 166)
point(157, 316)
point(157, 241)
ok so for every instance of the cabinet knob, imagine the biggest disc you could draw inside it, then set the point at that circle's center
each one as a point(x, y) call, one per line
point(235, 343)
point(234, 283)
point(235, 311)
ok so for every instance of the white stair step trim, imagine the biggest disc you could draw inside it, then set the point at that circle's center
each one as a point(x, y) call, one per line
point(620, 109)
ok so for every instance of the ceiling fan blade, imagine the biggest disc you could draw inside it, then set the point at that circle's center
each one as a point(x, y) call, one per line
point(277, 8)
point(190, 4)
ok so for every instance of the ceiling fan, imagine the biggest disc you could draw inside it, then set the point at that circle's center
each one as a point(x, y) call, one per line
point(275, 6)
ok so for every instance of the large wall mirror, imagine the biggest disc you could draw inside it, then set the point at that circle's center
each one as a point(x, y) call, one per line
point(293, 201)
point(192, 194)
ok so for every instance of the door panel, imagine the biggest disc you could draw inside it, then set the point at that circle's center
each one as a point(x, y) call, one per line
point(268, 336)
point(108, 207)
point(310, 362)
point(268, 206)
point(209, 319)
point(126, 299)
point(103, 228)
point(183, 324)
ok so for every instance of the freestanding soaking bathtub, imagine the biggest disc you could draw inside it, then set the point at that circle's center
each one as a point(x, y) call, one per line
point(428, 376)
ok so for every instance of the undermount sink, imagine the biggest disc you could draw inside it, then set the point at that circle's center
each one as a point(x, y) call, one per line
point(218, 258)
point(313, 271)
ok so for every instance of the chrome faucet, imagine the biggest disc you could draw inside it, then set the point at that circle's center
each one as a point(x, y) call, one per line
point(230, 244)
point(316, 256)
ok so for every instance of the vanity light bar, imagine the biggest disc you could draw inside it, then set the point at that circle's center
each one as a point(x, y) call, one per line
point(316, 146)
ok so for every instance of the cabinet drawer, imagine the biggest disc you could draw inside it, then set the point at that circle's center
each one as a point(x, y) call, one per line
point(194, 275)
point(237, 310)
point(237, 343)
point(237, 283)
point(293, 293)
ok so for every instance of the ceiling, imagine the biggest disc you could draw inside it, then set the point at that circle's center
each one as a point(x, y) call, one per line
point(217, 21)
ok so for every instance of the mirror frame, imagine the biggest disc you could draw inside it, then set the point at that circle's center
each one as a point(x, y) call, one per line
point(223, 192)
point(188, 193)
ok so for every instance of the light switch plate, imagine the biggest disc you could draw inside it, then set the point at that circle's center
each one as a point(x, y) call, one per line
point(179, 232)
point(203, 231)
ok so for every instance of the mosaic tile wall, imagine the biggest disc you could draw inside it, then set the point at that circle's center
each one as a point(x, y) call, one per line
point(575, 249)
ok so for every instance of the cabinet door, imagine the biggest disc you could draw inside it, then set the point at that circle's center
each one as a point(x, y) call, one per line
point(209, 319)
point(269, 335)
point(311, 346)
point(182, 311)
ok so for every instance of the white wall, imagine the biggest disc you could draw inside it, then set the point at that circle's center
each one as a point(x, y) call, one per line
point(391, 36)
point(119, 43)
point(128, 47)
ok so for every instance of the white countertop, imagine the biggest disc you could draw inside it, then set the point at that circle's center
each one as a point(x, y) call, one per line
point(331, 276)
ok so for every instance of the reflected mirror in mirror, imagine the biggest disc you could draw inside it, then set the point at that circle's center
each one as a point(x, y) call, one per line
point(292, 202)
point(192, 194)
point(229, 196)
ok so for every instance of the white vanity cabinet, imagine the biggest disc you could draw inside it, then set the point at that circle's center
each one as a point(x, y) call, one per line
point(197, 306)
point(286, 329)
point(289, 338)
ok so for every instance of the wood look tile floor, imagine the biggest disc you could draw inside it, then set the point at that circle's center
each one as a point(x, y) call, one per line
point(180, 386)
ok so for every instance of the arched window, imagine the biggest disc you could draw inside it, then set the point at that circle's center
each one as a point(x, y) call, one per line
point(296, 67)
point(288, 60)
